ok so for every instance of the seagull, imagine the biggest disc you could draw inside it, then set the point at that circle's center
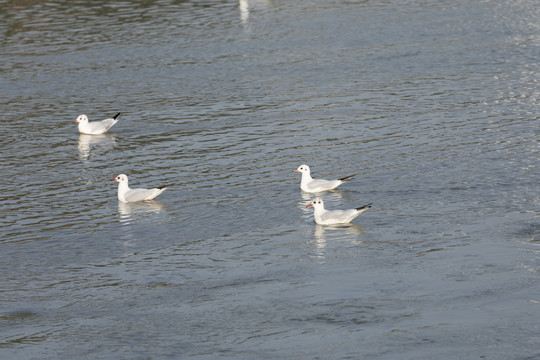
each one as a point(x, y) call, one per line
point(308, 184)
point(329, 217)
point(125, 194)
point(96, 127)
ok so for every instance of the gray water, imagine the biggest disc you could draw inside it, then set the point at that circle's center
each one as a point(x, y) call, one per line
point(434, 104)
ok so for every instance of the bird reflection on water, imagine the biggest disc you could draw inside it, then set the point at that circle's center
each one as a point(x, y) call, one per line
point(139, 211)
point(246, 6)
point(323, 234)
point(88, 142)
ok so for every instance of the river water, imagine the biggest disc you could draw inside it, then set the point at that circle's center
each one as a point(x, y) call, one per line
point(434, 104)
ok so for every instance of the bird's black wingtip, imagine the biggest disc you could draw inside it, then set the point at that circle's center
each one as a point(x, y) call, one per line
point(347, 177)
point(165, 186)
point(115, 116)
point(364, 207)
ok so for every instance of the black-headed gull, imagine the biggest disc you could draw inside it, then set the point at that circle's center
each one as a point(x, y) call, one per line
point(329, 217)
point(95, 127)
point(308, 184)
point(125, 194)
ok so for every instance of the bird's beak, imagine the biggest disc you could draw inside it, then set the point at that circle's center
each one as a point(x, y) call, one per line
point(113, 179)
point(295, 170)
point(75, 120)
point(309, 205)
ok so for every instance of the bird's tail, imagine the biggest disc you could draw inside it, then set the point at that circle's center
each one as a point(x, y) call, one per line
point(347, 177)
point(115, 116)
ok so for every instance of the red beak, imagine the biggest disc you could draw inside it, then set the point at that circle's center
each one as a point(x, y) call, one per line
point(113, 179)
point(295, 170)
point(309, 205)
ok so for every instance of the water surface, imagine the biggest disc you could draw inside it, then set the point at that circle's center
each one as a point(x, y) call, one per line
point(433, 104)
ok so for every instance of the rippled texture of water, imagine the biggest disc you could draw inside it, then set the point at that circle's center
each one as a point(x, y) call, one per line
point(434, 105)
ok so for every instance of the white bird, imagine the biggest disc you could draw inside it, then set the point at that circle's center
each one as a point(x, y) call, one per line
point(329, 217)
point(95, 127)
point(126, 194)
point(308, 184)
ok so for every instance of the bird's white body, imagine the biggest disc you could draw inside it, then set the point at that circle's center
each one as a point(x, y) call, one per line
point(310, 185)
point(95, 127)
point(126, 194)
point(330, 217)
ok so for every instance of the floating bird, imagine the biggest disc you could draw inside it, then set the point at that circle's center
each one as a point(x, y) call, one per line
point(308, 184)
point(95, 127)
point(125, 194)
point(329, 217)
